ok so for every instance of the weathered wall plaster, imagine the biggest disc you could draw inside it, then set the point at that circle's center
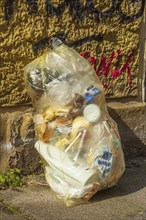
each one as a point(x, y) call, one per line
point(101, 28)
point(17, 140)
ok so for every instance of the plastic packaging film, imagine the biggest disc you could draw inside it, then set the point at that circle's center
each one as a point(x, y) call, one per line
point(77, 139)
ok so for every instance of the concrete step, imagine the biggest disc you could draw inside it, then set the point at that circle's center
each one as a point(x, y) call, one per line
point(17, 136)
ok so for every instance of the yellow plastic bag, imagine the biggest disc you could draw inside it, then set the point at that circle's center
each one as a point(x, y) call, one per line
point(77, 139)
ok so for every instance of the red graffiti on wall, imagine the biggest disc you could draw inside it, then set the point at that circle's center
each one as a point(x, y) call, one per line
point(105, 67)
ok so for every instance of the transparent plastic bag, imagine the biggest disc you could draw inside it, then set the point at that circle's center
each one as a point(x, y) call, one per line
point(77, 139)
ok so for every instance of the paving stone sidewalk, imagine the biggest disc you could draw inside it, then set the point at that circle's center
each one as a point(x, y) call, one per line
point(126, 201)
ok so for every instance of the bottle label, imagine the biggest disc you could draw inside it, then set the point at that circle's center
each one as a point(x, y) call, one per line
point(92, 91)
point(104, 162)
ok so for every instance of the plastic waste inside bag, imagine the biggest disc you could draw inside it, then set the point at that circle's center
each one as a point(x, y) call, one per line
point(77, 139)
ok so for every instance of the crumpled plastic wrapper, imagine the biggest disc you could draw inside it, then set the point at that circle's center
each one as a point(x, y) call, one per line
point(76, 138)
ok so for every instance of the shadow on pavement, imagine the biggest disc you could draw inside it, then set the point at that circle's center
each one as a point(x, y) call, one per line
point(133, 180)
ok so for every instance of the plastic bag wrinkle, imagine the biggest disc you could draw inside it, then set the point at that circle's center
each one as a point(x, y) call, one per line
point(77, 138)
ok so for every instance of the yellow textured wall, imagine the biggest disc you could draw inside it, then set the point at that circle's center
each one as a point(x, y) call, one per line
point(29, 23)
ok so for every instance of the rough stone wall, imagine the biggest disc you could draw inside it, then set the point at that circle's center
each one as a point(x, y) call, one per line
point(17, 140)
point(145, 63)
point(107, 30)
